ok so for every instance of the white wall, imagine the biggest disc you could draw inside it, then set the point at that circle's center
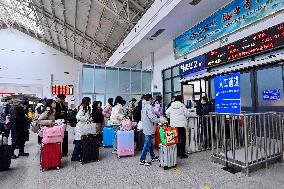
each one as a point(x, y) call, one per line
point(164, 57)
point(25, 60)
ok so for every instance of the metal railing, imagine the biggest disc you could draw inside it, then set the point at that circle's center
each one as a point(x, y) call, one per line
point(246, 141)
point(198, 134)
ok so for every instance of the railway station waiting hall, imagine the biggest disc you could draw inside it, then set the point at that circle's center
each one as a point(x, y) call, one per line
point(141, 94)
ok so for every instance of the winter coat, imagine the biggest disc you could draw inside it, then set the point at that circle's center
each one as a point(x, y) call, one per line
point(97, 115)
point(148, 117)
point(61, 108)
point(19, 124)
point(116, 114)
point(177, 113)
point(137, 112)
point(83, 126)
point(158, 109)
point(47, 118)
point(107, 110)
point(72, 117)
point(130, 109)
point(38, 110)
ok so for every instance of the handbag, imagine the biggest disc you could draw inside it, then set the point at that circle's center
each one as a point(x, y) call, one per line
point(35, 126)
point(169, 135)
point(125, 124)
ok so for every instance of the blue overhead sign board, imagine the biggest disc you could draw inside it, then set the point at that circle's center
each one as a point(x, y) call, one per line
point(235, 15)
point(271, 94)
point(227, 94)
point(193, 65)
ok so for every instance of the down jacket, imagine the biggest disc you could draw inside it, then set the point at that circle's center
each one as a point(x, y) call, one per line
point(84, 125)
point(178, 113)
point(148, 118)
point(116, 114)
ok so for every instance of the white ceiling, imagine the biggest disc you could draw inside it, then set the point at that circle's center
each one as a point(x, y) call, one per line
point(88, 30)
point(181, 18)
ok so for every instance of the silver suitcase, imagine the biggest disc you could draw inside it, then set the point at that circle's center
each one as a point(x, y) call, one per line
point(168, 156)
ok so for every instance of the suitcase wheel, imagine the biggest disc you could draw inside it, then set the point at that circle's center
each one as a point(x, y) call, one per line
point(160, 165)
point(82, 163)
point(42, 170)
point(118, 157)
point(165, 168)
point(57, 168)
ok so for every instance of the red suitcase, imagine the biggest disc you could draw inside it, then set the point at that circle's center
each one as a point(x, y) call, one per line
point(50, 156)
point(157, 136)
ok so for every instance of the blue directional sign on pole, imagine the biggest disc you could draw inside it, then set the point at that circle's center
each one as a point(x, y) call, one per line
point(227, 94)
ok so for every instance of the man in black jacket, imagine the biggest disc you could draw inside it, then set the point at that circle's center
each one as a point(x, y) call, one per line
point(61, 113)
point(61, 109)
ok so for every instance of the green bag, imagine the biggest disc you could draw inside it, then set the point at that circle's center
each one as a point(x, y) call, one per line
point(162, 136)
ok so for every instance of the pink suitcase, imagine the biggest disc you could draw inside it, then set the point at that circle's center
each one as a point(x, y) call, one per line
point(125, 143)
point(53, 134)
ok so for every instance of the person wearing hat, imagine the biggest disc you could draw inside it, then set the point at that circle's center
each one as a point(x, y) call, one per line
point(130, 107)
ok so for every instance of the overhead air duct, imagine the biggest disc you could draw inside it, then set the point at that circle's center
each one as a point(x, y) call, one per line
point(195, 2)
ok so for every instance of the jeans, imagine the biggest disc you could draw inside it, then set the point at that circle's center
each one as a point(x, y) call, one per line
point(148, 146)
point(76, 151)
point(116, 128)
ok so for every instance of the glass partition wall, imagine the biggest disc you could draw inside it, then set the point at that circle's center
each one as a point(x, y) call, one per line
point(101, 83)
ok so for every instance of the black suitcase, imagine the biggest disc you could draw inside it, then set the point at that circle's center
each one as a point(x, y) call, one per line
point(5, 155)
point(140, 141)
point(89, 148)
point(65, 144)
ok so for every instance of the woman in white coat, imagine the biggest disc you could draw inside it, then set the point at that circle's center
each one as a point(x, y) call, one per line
point(84, 117)
point(117, 114)
point(178, 113)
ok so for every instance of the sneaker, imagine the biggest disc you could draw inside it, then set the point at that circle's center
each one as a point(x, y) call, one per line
point(156, 158)
point(145, 163)
point(23, 154)
point(14, 156)
point(184, 156)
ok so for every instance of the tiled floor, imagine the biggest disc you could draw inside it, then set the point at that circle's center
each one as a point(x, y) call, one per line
point(195, 172)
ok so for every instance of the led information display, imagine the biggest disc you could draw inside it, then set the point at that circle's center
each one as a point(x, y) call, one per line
point(227, 93)
point(63, 89)
point(235, 15)
point(271, 94)
point(192, 65)
point(257, 43)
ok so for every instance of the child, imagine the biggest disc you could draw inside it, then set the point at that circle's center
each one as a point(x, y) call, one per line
point(148, 117)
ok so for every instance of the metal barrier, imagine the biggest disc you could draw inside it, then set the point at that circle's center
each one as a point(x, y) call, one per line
point(246, 141)
point(198, 134)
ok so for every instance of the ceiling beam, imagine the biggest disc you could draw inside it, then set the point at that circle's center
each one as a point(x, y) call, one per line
point(77, 32)
point(86, 27)
point(64, 20)
point(114, 13)
point(142, 9)
point(74, 32)
point(55, 26)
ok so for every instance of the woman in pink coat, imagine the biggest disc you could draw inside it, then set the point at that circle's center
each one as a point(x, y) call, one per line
point(107, 110)
point(158, 107)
